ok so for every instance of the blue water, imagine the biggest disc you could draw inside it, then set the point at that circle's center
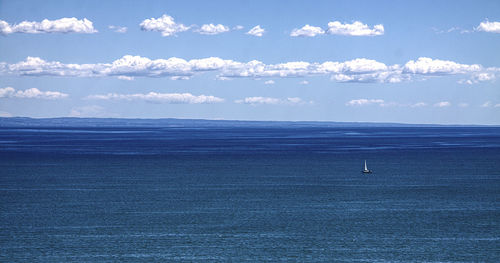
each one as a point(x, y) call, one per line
point(249, 194)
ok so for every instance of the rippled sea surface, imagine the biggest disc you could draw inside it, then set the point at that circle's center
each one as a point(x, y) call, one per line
point(255, 194)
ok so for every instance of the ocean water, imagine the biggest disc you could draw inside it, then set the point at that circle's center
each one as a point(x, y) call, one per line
point(249, 194)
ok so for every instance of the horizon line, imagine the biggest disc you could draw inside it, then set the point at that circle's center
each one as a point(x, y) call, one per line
point(249, 121)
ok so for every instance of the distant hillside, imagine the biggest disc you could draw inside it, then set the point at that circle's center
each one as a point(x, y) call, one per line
point(119, 122)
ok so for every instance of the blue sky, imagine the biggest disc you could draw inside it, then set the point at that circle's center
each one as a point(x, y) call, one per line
point(387, 61)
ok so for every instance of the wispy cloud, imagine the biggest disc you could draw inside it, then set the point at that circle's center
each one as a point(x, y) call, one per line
point(271, 101)
point(88, 111)
point(256, 31)
point(485, 26)
point(383, 103)
point(442, 104)
point(269, 82)
point(125, 78)
point(486, 104)
point(418, 105)
point(32, 93)
point(452, 29)
point(489, 104)
point(118, 29)
point(365, 102)
point(171, 98)
point(63, 25)
point(463, 105)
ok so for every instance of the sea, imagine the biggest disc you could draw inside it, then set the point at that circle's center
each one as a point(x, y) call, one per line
point(248, 192)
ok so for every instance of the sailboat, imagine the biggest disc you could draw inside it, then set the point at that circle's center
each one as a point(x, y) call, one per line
point(366, 171)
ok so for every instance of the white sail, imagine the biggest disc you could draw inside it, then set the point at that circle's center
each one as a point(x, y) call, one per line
point(365, 166)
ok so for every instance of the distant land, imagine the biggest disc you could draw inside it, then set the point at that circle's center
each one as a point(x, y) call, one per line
point(172, 122)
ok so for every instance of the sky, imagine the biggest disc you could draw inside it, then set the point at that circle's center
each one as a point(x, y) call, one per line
point(361, 61)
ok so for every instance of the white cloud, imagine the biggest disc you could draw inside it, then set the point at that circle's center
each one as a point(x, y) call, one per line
point(307, 31)
point(258, 100)
point(453, 29)
point(127, 66)
point(486, 104)
point(364, 70)
point(32, 93)
point(442, 104)
point(270, 101)
point(212, 63)
point(34, 66)
point(337, 28)
point(5, 28)
point(141, 66)
point(380, 77)
point(429, 66)
point(296, 101)
point(164, 24)
point(489, 104)
point(487, 26)
point(171, 98)
point(35, 93)
point(418, 105)
point(63, 25)
point(383, 103)
point(256, 31)
point(269, 82)
point(359, 70)
point(362, 65)
point(365, 102)
point(355, 29)
point(7, 92)
point(484, 76)
point(211, 29)
point(238, 27)
point(478, 77)
point(125, 78)
point(118, 29)
point(180, 78)
point(304, 82)
point(257, 69)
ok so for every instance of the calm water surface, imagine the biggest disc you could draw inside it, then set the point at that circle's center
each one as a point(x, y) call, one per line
point(249, 194)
